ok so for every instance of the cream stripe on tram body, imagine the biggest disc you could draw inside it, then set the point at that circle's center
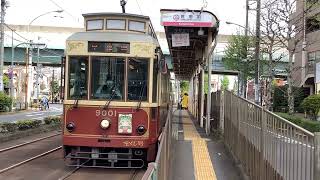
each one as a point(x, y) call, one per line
point(116, 96)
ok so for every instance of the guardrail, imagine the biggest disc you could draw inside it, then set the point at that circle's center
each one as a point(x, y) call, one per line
point(159, 170)
point(267, 146)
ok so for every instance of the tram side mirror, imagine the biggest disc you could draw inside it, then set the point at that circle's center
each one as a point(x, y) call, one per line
point(156, 64)
point(163, 66)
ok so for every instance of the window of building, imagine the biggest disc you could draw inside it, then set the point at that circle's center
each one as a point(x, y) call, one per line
point(78, 71)
point(137, 79)
point(116, 24)
point(107, 78)
point(96, 24)
point(314, 56)
point(137, 26)
point(313, 23)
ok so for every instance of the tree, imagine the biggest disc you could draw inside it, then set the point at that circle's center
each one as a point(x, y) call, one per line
point(184, 86)
point(5, 80)
point(311, 104)
point(54, 87)
point(289, 26)
point(238, 57)
point(270, 47)
point(224, 83)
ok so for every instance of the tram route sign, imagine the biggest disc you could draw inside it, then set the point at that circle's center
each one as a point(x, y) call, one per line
point(109, 47)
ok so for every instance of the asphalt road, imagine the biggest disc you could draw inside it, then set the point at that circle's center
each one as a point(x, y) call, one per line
point(55, 109)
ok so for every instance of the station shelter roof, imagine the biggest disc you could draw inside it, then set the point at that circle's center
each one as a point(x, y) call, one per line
point(187, 36)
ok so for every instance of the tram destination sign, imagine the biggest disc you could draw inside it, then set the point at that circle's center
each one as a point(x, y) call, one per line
point(109, 47)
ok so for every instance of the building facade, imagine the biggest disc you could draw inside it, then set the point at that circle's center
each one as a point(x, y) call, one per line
point(308, 51)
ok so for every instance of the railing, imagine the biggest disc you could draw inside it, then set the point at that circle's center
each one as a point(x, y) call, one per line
point(159, 170)
point(267, 146)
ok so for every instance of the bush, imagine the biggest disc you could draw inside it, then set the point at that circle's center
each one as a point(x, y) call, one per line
point(312, 126)
point(5, 102)
point(8, 127)
point(52, 120)
point(311, 105)
point(28, 124)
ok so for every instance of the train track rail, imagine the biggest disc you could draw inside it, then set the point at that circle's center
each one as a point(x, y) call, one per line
point(27, 143)
point(30, 159)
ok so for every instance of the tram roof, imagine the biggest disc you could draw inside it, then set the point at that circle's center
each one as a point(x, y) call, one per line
point(115, 14)
point(187, 33)
point(112, 37)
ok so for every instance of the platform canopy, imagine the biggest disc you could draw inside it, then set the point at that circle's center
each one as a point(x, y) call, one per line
point(188, 33)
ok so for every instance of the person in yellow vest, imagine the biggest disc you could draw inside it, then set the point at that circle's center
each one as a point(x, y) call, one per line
point(185, 101)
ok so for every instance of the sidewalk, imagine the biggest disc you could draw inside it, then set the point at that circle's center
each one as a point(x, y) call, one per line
point(197, 156)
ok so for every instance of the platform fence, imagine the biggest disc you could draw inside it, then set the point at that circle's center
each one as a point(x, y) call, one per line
point(160, 169)
point(267, 146)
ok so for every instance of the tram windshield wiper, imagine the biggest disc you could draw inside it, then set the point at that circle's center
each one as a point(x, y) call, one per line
point(113, 93)
point(140, 97)
point(75, 104)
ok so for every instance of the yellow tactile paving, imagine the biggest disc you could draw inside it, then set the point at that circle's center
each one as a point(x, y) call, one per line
point(203, 168)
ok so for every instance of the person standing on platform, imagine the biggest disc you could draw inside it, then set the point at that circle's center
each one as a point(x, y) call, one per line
point(185, 101)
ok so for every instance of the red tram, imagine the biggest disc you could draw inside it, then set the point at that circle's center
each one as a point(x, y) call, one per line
point(116, 94)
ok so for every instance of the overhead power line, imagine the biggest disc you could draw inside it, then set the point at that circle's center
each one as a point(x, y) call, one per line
point(14, 31)
point(139, 7)
point(74, 17)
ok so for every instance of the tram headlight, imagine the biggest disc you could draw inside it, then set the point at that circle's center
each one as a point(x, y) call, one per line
point(141, 130)
point(104, 124)
point(70, 126)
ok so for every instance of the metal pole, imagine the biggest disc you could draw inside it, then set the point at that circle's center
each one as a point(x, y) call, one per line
point(52, 85)
point(257, 53)
point(316, 167)
point(209, 82)
point(37, 76)
point(202, 96)
point(11, 69)
point(3, 3)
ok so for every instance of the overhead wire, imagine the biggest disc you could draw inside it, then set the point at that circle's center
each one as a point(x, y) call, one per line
point(14, 31)
point(74, 17)
point(139, 7)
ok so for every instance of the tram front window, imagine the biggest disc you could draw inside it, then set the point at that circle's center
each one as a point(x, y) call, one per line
point(78, 67)
point(137, 79)
point(107, 78)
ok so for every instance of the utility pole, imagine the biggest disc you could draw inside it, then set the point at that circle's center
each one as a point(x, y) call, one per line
point(257, 54)
point(52, 86)
point(3, 8)
point(11, 69)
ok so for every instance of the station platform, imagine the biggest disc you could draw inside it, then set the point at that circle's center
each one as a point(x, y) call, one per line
point(198, 156)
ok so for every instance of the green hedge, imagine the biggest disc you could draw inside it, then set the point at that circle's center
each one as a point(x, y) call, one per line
point(20, 125)
point(312, 126)
point(52, 120)
point(5, 102)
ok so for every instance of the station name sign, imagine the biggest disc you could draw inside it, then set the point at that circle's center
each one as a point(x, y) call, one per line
point(188, 19)
point(108, 47)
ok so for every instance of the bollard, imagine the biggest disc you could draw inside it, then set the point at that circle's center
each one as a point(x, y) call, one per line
point(316, 165)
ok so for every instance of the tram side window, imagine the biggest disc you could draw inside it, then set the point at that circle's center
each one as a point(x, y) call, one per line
point(107, 78)
point(78, 70)
point(137, 79)
point(96, 24)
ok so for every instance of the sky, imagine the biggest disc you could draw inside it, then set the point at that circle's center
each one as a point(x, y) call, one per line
point(22, 12)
